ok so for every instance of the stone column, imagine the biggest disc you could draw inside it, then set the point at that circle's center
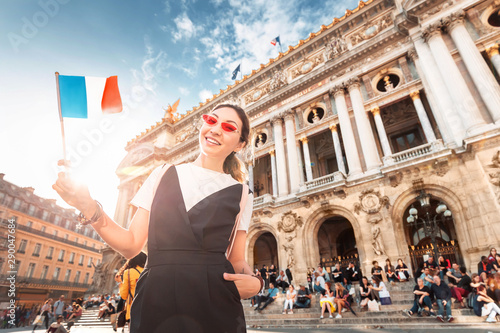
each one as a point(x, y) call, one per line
point(338, 149)
point(494, 56)
point(384, 141)
point(274, 175)
point(122, 204)
point(280, 156)
point(301, 165)
point(457, 87)
point(291, 148)
point(250, 176)
point(347, 134)
point(482, 76)
point(422, 116)
point(365, 132)
point(449, 122)
point(307, 159)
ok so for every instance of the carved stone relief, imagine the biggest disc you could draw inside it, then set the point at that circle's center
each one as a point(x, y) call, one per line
point(289, 223)
point(335, 47)
point(370, 202)
point(371, 30)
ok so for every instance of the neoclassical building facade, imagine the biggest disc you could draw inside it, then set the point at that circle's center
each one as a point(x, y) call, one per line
point(376, 137)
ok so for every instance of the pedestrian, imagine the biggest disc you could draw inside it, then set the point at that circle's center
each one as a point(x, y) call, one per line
point(194, 218)
point(133, 269)
point(59, 307)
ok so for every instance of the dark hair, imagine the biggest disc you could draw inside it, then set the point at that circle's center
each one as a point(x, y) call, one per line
point(329, 284)
point(232, 164)
point(376, 279)
point(483, 257)
point(374, 262)
point(138, 260)
point(463, 270)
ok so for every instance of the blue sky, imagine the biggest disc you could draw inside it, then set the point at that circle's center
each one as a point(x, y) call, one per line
point(160, 50)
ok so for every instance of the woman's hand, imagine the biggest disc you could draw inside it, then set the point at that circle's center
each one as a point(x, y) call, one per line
point(247, 285)
point(74, 194)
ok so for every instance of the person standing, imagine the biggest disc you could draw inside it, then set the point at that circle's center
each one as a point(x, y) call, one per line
point(194, 218)
point(59, 307)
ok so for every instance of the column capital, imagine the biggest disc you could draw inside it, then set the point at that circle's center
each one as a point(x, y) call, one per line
point(333, 127)
point(412, 54)
point(432, 30)
point(271, 152)
point(492, 50)
point(337, 90)
point(353, 83)
point(454, 20)
point(375, 111)
point(288, 114)
point(415, 95)
point(304, 140)
point(276, 119)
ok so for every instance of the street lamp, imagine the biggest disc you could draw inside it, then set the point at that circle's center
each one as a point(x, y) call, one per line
point(429, 223)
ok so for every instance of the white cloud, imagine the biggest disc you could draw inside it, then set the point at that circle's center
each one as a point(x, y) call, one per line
point(216, 3)
point(185, 28)
point(205, 94)
point(184, 91)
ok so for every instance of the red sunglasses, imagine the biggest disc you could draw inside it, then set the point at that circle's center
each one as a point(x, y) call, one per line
point(212, 121)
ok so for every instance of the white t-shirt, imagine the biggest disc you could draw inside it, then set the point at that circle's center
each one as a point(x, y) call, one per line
point(289, 294)
point(384, 292)
point(196, 183)
point(321, 281)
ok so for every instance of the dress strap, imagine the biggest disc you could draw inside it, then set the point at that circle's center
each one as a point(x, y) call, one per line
point(164, 169)
point(244, 196)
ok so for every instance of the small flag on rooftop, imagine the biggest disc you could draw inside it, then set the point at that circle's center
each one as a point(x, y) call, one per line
point(235, 72)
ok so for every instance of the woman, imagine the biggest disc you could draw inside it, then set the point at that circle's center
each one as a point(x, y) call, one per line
point(496, 264)
point(485, 306)
point(378, 285)
point(390, 271)
point(326, 300)
point(402, 271)
point(45, 311)
point(340, 300)
point(77, 313)
point(443, 267)
point(492, 257)
point(291, 295)
point(194, 218)
point(365, 292)
point(131, 273)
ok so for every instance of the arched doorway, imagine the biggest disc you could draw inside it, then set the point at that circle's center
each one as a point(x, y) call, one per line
point(429, 231)
point(337, 243)
point(265, 251)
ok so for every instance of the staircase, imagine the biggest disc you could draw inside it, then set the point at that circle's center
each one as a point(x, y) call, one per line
point(390, 316)
point(89, 320)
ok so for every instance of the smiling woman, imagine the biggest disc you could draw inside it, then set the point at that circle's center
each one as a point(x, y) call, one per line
point(194, 217)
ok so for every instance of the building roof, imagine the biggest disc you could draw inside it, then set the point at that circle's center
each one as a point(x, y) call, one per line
point(312, 36)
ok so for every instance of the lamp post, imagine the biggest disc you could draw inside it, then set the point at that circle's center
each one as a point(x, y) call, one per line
point(429, 223)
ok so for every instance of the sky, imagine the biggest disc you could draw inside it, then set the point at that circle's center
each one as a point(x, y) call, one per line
point(160, 51)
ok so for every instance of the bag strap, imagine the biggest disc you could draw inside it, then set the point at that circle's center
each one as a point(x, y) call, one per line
point(239, 217)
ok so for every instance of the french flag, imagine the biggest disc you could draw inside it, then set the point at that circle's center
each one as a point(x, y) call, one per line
point(79, 93)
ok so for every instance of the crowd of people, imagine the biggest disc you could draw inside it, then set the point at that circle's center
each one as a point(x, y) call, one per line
point(442, 282)
point(52, 316)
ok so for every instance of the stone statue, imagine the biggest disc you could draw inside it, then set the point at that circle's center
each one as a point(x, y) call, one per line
point(335, 47)
point(377, 242)
point(260, 141)
point(315, 118)
point(388, 84)
point(289, 253)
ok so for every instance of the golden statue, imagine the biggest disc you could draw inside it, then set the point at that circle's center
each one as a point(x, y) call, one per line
point(171, 111)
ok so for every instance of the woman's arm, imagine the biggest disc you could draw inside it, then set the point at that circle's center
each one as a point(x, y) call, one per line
point(247, 284)
point(128, 242)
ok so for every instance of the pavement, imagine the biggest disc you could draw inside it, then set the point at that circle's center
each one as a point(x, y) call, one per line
point(493, 329)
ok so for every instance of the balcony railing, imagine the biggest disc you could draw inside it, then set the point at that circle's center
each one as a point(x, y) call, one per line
point(59, 239)
point(20, 280)
point(336, 177)
point(413, 153)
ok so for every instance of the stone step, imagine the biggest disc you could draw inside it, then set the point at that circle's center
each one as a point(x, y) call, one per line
point(421, 326)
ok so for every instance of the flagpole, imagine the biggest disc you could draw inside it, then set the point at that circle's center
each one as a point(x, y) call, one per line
point(241, 72)
point(61, 118)
point(281, 50)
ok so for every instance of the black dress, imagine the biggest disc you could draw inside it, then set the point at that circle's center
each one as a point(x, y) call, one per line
point(182, 288)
